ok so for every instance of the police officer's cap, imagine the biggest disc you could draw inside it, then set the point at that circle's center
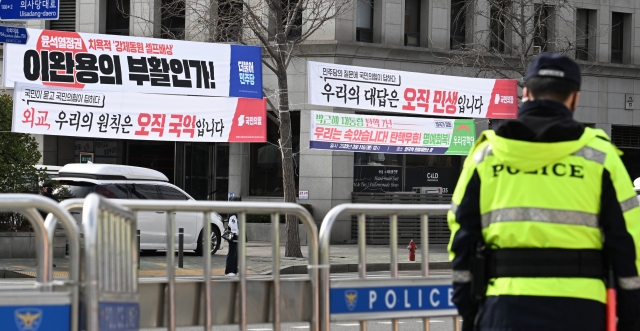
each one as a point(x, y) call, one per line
point(554, 65)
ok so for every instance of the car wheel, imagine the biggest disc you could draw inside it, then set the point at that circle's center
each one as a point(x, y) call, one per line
point(215, 241)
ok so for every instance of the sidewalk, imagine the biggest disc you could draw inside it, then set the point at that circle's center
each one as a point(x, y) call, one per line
point(343, 258)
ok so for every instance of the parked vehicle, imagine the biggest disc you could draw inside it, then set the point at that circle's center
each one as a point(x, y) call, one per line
point(127, 182)
point(52, 171)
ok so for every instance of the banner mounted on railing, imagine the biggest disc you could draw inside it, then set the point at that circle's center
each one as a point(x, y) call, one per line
point(391, 134)
point(119, 115)
point(131, 64)
point(405, 92)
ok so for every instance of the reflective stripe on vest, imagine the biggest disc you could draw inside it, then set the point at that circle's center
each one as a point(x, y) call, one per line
point(454, 208)
point(555, 216)
point(629, 283)
point(629, 204)
point(461, 276)
point(591, 154)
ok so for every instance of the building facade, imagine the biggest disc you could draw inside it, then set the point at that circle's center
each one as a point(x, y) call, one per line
point(407, 35)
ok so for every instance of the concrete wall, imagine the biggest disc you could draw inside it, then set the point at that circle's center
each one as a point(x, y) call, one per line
point(263, 232)
point(22, 245)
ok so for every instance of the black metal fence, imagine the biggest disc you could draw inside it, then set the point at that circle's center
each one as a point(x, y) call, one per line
point(377, 228)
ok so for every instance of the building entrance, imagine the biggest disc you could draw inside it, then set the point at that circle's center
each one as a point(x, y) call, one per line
point(201, 169)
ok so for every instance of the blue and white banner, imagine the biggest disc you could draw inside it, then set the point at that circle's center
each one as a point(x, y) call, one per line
point(391, 299)
point(114, 63)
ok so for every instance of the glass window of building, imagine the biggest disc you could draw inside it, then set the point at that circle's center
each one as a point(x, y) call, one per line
point(364, 21)
point(498, 26)
point(173, 19)
point(288, 8)
point(229, 21)
point(458, 32)
point(117, 20)
point(620, 32)
point(387, 173)
point(266, 160)
point(543, 21)
point(585, 34)
point(412, 23)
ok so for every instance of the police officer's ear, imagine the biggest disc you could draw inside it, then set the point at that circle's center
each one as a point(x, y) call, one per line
point(526, 95)
point(572, 102)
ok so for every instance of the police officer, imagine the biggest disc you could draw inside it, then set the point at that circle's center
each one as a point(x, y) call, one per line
point(544, 206)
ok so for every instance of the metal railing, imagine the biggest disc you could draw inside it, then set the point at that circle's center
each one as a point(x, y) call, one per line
point(241, 209)
point(393, 211)
point(110, 263)
point(28, 205)
point(71, 228)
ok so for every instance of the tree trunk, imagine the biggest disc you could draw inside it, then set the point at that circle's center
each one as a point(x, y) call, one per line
point(292, 245)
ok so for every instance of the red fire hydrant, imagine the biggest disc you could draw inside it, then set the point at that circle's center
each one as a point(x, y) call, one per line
point(412, 250)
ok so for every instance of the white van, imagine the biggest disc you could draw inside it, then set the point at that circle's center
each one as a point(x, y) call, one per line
point(127, 182)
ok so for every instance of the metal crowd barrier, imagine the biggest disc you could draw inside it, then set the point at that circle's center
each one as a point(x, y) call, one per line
point(49, 305)
point(383, 298)
point(110, 293)
point(244, 301)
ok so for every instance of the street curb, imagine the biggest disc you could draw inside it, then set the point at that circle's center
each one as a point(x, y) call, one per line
point(13, 273)
point(371, 267)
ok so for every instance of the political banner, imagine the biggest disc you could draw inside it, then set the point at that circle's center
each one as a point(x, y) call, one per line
point(344, 86)
point(131, 64)
point(391, 134)
point(119, 115)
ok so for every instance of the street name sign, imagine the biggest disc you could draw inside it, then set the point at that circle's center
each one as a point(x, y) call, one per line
point(21, 10)
point(13, 35)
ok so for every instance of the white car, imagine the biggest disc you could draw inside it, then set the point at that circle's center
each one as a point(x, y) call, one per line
point(127, 182)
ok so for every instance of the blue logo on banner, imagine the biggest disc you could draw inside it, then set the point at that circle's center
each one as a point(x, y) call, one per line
point(35, 318)
point(352, 298)
point(246, 72)
point(393, 298)
point(28, 319)
point(119, 316)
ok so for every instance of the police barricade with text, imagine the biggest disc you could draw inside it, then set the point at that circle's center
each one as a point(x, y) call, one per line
point(110, 263)
point(48, 306)
point(240, 299)
point(383, 298)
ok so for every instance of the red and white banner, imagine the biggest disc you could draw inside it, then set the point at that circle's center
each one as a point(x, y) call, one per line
point(139, 116)
point(132, 64)
point(405, 92)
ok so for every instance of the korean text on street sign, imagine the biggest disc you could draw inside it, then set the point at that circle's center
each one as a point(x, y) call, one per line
point(119, 316)
point(391, 134)
point(404, 92)
point(13, 35)
point(378, 301)
point(130, 64)
point(21, 10)
point(121, 115)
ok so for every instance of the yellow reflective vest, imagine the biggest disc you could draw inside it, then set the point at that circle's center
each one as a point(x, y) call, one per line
point(548, 195)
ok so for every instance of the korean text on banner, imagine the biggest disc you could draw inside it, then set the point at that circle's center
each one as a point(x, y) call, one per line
point(391, 134)
point(337, 85)
point(121, 115)
point(130, 64)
